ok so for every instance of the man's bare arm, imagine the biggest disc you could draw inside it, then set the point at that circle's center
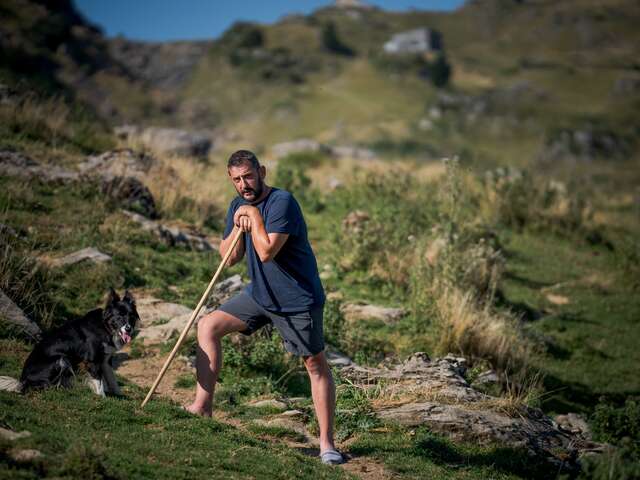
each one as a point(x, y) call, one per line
point(238, 252)
point(266, 245)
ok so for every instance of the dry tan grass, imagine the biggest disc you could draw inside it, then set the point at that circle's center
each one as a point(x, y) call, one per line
point(477, 331)
point(184, 186)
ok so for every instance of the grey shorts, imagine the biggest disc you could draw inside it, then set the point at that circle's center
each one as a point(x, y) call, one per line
point(301, 331)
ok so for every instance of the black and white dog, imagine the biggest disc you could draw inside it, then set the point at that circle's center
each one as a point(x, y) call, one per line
point(92, 339)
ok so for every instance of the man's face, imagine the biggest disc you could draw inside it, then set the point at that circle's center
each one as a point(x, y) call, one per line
point(248, 181)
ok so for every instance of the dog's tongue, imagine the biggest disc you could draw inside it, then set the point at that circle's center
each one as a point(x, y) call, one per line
point(126, 338)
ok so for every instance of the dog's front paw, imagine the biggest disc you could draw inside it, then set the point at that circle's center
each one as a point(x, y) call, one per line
point(97, 386)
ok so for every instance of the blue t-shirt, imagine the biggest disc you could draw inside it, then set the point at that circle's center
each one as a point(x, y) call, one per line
point(290, 281)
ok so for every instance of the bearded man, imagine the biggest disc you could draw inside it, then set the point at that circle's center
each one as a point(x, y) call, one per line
point(285, 291)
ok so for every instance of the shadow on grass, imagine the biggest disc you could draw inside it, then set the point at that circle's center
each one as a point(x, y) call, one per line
point(420, 452)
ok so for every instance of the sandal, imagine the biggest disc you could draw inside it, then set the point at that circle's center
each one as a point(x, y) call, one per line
point(331, 457)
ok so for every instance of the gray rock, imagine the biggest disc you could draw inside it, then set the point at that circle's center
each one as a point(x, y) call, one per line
point(15, 164)
point(12, 314)
point(584, 145)
point(89, 253)
point(353, 312)
point(486, 379)
point(171, 236)
point(359, 153)
point(131, 194)
point(10, 435)
point(337, 359)
point(225, 290)
point(159, 320)
point(122, 162)
point(173, 141)
point(625, 86)
point(434, 393)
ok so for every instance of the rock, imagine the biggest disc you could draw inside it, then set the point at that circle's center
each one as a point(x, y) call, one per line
point(419, 40)
point(289, 423)
point(486, 380)
point(92, 254)
point(298, 146)
point(353, 312)
point(575, 424)
point(159, 320)
point(225, 290)
point(11, 435)
point(337, 359)
point(25, 455)
point(123, 162)
point(434, 393)
point(173, 141)
point(16, 164)
point(269, 403)
point(171, 236)
point(12, 314)
point(292, 414)
point(10, 384)
point(584, 145)
point(131, 194)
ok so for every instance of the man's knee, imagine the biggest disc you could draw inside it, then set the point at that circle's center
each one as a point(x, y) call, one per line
point(316, 365)
point(211, 326)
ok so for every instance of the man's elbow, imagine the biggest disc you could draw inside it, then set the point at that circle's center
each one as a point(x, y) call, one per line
point(266, 257)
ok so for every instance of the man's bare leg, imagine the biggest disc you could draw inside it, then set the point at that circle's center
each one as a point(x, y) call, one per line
point(324, 397)
point(211, 329)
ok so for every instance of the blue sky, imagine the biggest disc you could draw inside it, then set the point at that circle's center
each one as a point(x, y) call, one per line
point(160, 20)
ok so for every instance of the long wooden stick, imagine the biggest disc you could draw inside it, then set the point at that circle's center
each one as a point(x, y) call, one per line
point(183, 335)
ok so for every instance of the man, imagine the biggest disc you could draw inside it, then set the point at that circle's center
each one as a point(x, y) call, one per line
point(285, 290)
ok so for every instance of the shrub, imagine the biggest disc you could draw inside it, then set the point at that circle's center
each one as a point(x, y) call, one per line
point(291, 176)
point(332, 42)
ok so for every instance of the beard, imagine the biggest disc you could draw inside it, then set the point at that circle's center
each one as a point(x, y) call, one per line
point(254, 193)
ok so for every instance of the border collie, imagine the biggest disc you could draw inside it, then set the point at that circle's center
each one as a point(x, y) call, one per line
point(91, 340)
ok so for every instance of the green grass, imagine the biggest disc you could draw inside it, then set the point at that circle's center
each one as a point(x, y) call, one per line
point(417, 454)
point(125, 441)
point(592, 349)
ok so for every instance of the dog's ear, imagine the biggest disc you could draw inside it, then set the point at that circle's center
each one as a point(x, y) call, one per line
point(113, 296)
point(128, 298)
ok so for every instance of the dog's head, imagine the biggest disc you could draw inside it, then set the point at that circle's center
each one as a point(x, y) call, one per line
point(120, 317)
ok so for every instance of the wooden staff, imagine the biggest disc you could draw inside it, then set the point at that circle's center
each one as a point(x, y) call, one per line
point(183, 335)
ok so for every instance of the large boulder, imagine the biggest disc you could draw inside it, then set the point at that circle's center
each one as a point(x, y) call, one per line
point(122, 162)
point(167, 141)
point(14, 316)
point(86, 254)
point(354, 312)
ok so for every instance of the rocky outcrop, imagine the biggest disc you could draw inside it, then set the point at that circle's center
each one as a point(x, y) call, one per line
point(167, 141)
point(435, 393)
point(172, 236)
point(14, 316)
point(165, 65)
point(584, 145)
point(122, 162)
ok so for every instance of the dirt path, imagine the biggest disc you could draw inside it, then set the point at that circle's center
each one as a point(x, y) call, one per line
point(143, 372)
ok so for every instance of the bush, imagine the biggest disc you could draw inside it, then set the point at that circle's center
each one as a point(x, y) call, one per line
point(332, 42)
point(291, 176)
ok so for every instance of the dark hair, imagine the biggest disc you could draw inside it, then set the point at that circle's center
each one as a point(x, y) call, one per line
point(243, 156)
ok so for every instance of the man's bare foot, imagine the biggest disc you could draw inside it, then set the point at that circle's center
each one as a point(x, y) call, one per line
point(196, 410)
